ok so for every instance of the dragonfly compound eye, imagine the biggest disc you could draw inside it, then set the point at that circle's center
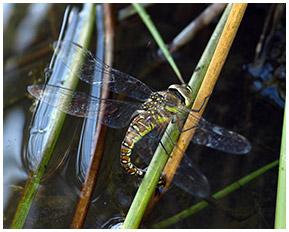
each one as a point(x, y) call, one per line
point(182, 91)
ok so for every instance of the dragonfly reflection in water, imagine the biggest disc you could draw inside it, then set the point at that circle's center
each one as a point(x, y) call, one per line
point(157, 109)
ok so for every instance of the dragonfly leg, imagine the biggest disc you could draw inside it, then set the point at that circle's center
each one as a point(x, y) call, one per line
point(177, 120)
point(197, 110)
point(188, 129)
point(205, 99)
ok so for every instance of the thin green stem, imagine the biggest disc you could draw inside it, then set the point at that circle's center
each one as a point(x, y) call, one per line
point(160, 157)
point(157, 37)
point(280, 217)
point(51, 135)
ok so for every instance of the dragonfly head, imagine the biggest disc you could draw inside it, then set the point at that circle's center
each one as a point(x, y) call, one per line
point(184, 92)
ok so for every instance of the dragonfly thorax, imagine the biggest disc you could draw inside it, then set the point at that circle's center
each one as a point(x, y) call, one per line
point(156, 101)
point(167, 103)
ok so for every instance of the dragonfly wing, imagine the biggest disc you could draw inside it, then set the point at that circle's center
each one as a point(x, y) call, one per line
point(216, 137)
point(85, 65)
point(115, 113)
point(188, 177)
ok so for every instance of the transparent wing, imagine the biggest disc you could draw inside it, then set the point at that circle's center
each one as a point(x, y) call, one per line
point(216, 137)
point(190, 179)
point(85, 65)
point(116, 114)
point(188, 176)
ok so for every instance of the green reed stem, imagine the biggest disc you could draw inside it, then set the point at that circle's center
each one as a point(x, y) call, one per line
point(280, 215)
point(32, 184)
point(157, 37)
point(160, 157)
point(129, 11)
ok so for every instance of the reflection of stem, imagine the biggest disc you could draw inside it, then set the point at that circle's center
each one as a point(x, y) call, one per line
point(61, 161)
point(203, 20)
point(236, 215)
point(187, 34)
point(130, 11)
point(265, 40)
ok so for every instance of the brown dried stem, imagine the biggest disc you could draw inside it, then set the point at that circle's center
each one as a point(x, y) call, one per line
point(100, 135)
point(206, 89)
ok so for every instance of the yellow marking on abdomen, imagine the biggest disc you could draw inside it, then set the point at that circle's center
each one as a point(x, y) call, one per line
point(138, 128)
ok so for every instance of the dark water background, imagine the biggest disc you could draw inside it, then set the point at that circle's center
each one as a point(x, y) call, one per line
point(250, 105)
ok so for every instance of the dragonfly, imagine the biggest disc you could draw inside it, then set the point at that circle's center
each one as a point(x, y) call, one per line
point(146, 117)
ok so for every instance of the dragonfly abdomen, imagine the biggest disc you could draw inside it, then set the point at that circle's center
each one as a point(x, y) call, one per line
point(154, 112)
point(138, 128)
